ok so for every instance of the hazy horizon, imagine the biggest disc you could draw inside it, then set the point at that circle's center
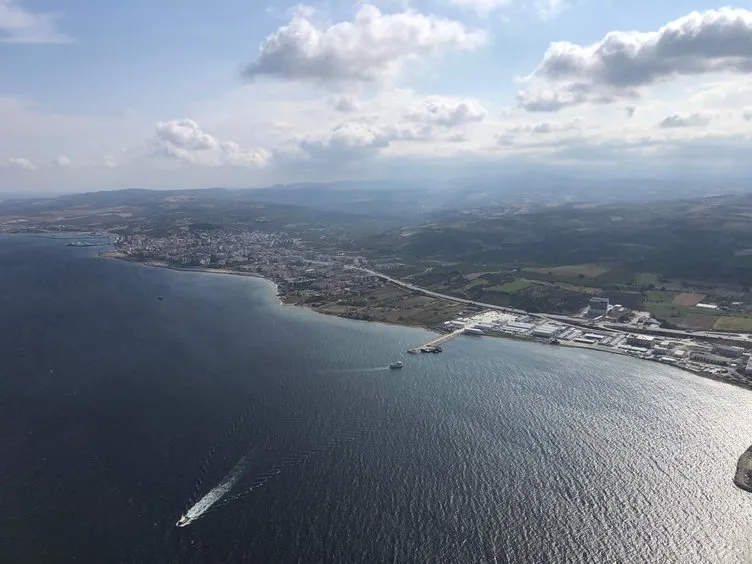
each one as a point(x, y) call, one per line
point(108, 97)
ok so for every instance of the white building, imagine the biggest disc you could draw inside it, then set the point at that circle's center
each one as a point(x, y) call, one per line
point(519, 326)
point(593, 336)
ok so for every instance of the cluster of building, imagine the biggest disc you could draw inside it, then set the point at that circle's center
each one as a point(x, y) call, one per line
point(733, 363)
point(272, 255)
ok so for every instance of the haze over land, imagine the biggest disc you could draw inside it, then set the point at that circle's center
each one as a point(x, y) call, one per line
point(234, 94)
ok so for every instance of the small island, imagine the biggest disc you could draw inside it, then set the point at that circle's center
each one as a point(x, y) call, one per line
point(743, 477)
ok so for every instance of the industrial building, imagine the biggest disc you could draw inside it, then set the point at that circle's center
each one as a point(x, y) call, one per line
point(547, 331)
point(598, 307)
point(644, 341)
point(728, 351)
point(594, 336)
point(708, 358)
point(519, 326)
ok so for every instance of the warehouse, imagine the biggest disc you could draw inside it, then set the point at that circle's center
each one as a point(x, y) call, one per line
point(547, 331)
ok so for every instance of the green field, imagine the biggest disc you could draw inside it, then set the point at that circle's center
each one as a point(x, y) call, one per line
point(733, 324)
point(646, 279)
point(655, 297)
point(573, 270)
point(476, 282)
point(515, 286)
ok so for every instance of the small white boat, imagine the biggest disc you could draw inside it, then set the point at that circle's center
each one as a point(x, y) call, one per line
point(184, 521)
point(396, 365)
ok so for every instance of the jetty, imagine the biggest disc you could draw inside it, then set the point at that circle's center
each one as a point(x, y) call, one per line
point(435, 345)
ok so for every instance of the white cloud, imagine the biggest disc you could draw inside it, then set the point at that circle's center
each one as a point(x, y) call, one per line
point(622, 62)
point(350, 141)
point(18, 25)
point(696, 119)
point(19, 162)
point(481, 5)
point(358, 140)
point(747, 114)
point(372, 48)
point(185, 141)
point(62, 161)
point(447, 112)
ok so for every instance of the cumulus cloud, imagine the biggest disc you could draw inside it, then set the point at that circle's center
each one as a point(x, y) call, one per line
point(622, 62)
point(62, 161)
point(447, 112)
point(351, 141)
point(186, 141)
point(18, 162)
point(18, 25)
point(358, 140)
point(696, 119)
point(374, 47)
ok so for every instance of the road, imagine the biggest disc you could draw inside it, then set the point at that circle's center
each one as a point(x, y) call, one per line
point(447, 297)
point(575, 322)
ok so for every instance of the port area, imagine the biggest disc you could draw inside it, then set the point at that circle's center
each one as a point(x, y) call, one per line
point(435, 345)
point(721, 360)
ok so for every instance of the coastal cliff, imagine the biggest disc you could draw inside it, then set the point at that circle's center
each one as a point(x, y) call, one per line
point(743, 477)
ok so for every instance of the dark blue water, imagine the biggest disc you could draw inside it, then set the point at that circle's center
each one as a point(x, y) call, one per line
point(118, 411)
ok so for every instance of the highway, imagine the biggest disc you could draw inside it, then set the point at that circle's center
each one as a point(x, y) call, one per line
point(573, 321)
point(447, 297)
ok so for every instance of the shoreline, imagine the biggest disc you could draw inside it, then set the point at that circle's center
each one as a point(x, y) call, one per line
point(117, 255)
point(158, 264)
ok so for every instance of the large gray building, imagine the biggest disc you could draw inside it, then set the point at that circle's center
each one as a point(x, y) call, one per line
point(598, 307)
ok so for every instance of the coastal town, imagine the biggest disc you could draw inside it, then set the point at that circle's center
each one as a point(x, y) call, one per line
point(348, 285)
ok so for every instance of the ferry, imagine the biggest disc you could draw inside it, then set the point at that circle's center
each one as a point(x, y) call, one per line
point(396, 365)
point(184, 521)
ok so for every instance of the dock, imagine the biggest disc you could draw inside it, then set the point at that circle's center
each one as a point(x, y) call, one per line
point(435, 345)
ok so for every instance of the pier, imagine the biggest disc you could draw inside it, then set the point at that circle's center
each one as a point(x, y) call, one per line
point(435, 345)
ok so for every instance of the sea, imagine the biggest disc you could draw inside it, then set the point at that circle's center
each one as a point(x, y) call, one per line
point(287, 437)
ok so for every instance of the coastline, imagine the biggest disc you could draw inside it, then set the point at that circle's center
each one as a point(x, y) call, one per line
point(281, 296)
point(160, 264)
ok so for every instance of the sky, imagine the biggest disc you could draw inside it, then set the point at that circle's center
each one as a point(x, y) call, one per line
point(191, 94)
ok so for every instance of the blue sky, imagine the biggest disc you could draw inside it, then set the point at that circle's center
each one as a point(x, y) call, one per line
point(99, 95)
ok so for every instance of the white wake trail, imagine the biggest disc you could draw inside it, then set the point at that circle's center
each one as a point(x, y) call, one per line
point(219, 491)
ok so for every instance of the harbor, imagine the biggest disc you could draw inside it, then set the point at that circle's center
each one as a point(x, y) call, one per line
point(434, 346)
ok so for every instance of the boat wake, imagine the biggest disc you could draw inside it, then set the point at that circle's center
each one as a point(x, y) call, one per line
point(276, 455)
point(218, 492)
